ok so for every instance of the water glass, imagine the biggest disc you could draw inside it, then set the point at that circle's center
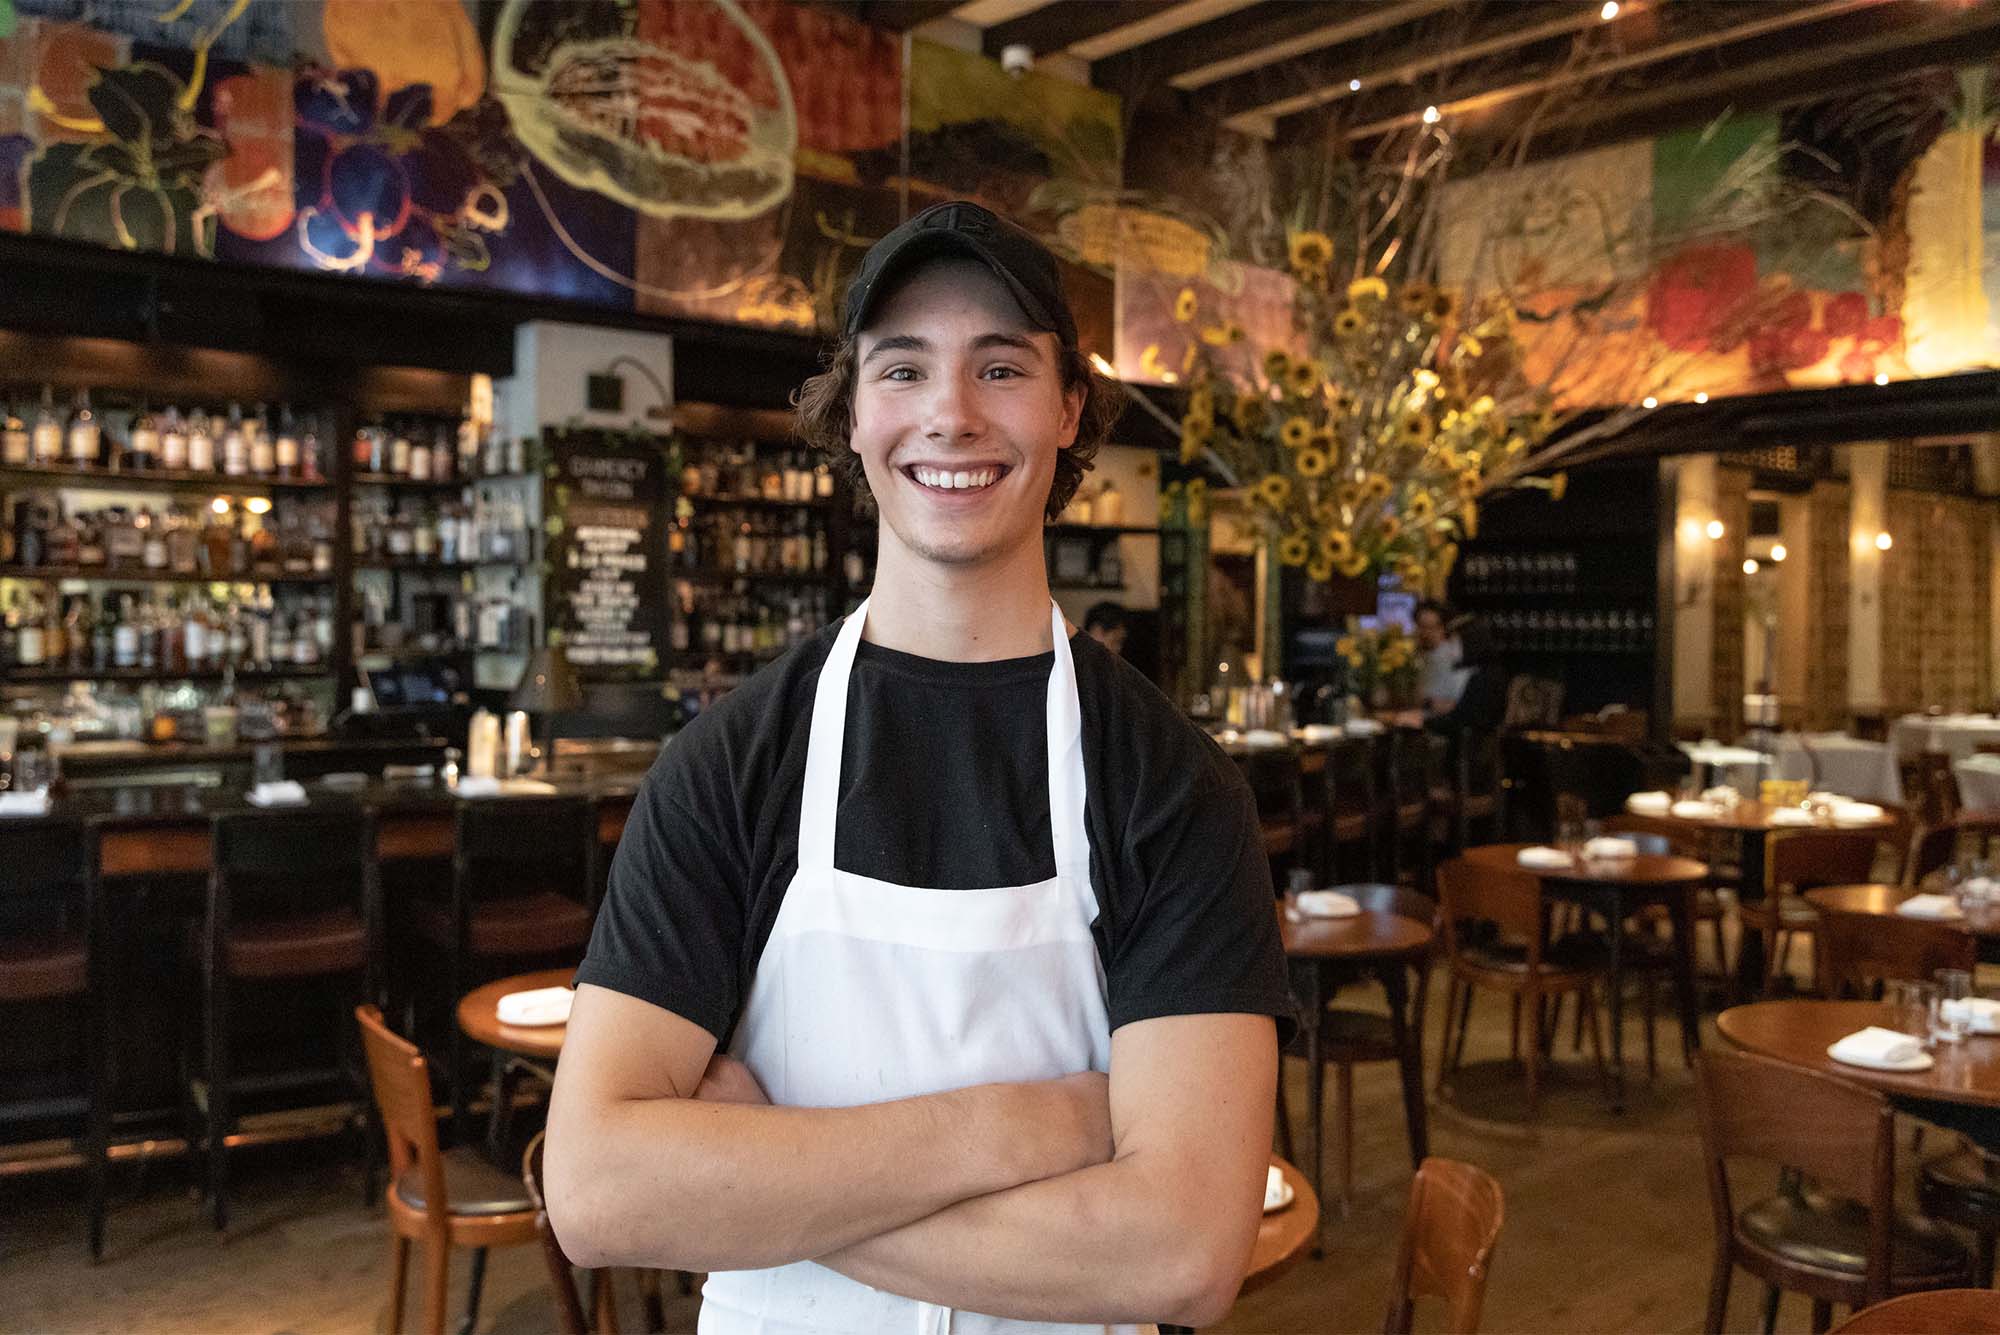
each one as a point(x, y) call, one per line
point(34, 769)
point(1910, 1003)
point(1296, 884)
point(1952, 1024)
point(267, 763)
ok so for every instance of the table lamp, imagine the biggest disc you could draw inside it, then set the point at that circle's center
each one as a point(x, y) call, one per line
point(548, 687)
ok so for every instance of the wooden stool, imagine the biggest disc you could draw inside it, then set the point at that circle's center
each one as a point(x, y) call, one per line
point(1449, 1232)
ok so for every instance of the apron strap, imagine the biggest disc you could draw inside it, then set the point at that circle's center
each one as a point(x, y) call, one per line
point(1067, 834)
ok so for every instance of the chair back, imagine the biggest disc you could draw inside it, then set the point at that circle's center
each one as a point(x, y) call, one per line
point(402, 1083)
point(1930, 787)
point(281, 864)
point(1509, 899)
point(1449, 1231)
point(1273, 772)
point(514, 845)
point(1413, 765)
point(1932, 1312)
point(1808, 859)
point(1350, 776)
point(562, 1278)
point(1840, 1134)
point(1859, 950)
point(1937, 846)
point(50, 878)
point(1658, 834)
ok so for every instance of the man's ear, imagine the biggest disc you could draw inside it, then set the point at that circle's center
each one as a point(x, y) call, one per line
point(1073, 398)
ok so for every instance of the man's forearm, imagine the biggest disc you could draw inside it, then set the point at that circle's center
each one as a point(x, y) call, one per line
point(683, 1184)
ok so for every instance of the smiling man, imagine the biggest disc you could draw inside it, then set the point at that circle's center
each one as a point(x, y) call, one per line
point(934, 987)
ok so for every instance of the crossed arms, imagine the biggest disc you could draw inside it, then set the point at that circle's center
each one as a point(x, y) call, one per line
point(1080, 1199)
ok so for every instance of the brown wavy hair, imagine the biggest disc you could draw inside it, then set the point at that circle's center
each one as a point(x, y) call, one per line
point(824, 410)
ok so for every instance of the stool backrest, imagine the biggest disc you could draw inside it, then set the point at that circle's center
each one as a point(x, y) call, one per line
point(402, 1083)
point(1449, 1232)
point(48, 872)
point(507, 845)
point(1835, 1132)
point(1858, 950)
point(562, 1278)
point(1808, 859)
point(275, 864)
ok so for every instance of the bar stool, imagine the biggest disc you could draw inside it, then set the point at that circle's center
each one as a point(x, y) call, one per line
point(292, 896)
point(1475, 793)
point(1273, 773)
point(520, 894)
point(1412, 774)
point(1351, 810)
point(51, 954)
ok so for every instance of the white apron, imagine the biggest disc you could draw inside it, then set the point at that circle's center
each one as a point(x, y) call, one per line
point(869, 991)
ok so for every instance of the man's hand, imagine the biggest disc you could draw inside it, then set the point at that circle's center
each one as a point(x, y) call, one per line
point(729, 1081)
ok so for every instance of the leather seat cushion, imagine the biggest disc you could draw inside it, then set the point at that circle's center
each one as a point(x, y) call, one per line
point(472, 1186)
point(1570, 953)
point(335, 941)
point(1831, 1233)
point(530, 924)
point(1962, 1187)
point(42, 968)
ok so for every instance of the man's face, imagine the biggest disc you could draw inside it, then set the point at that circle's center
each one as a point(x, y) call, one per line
point(959, 412)
point(1430, 629)
point(1111, 637)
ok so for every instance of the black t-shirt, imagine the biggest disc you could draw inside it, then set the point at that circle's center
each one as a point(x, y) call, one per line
point(944, 782)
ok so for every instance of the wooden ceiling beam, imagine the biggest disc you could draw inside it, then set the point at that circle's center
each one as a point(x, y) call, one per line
point(1057, 27)
point(1191, 56)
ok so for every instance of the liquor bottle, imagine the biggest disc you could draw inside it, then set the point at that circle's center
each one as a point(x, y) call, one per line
point(125, 634)
point(419, 459)
point(468, 448)
point(263, 453)
point(28, 643)
point(142, 443)
point(55, 633)
point(399, 453)
point(173, 441)
point(100, 637)
point(442, 464)
point(153, 530)
point(16, 445)
point(235, 448)
point(200, 444)
point(285, 449)
point(47, 436)
point(309, 460)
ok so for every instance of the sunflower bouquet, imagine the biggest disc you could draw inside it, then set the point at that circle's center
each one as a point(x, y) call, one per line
point(1383, 658)
point(1367, 444)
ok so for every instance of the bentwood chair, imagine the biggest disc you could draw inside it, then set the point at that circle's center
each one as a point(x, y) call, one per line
point(1831, 1230)
point(1938, 846)
point(1799, 861)
point(1413, 766)
point(1273, 775)
point(441, 1198)
point(562, 1275)
point(1449, 1232)
point(1939, 1312)
point(1859, 951)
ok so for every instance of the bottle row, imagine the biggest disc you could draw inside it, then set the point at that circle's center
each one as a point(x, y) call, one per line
point(220, 541)
point(737, 471)
point(193, 633)
point(740, 621)
point(1627, 631)
point(743, 542)
point(219, 714)
point(1520, 572)
point(495, 621)
point(231, 444)
point(427, 450)
point(489, 529)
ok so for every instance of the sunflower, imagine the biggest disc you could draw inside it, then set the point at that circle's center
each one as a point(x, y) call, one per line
point(1348, 323)
point(1249, 412)
point(1343, 403)
point(1324, 441)
point(1443, 306)
point(1468, 483)
point(1346, 647)
point(1354, 564)
point(1558, 485)
point(1367, 289)
point(1335, 545)
point(1319, 570)
point(1310, 462)
point(1390, 528)
point(1412, 572)
point(1295, 432)
point(1277, 366)
point(1311, 251)
point(1468, 519)
point(1274, 489)
point(1375, 486)
point(1184, 306)
point(1348, 494)
point(1303, 380)
point(1416, 429)
point(1293, 549)
point(1415, 298)
point(1422, 507)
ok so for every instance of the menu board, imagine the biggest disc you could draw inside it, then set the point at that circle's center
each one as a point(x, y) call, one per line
point(607, 549)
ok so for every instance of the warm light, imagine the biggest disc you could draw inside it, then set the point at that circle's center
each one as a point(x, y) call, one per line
point(1609, 12)
point(258, 505)
point(1778, 552)
point(1354, 85)
point(1702, 397)
point(1715, 530)
point(1103, 367)
point(220, 505)
point(1881, 377)
point(1170, 377)
point(1430, 115)
point(1649, 402)
point(1883, 542)
point(1749, 565)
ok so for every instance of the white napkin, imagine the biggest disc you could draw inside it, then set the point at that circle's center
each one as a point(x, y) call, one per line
point(1981, 1014)
point(1695, 810)
point(283, 793)
point(1722, 796)
point(1791, 816)
point(1649, 804)
point(1827, 797)
point(1277, 1192)
point(34, 802)
point(1364, 727)
point(1319, 732)
point(1610, 848)
point(1546, 858)
point(1263, 737)
point(1327, 904)
point(1930, 906)
point(489, 787)
point(1856, 813)
point(542, 1005)
point(1877, 1046)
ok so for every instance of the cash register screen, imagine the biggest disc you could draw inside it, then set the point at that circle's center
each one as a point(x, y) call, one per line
point(409, 685)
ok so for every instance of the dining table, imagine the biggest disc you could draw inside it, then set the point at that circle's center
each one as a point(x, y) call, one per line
point(1861, 769)
point(1978, 781)
point(1980, 918)
point(1957, 735)
point(1615, 889)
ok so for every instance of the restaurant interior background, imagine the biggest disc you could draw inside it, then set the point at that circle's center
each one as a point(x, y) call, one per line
point(372, 371)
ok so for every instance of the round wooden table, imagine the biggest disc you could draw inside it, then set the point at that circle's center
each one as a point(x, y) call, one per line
point(1614, 888)
point(1283, 1235)
point(478, 1016)
point(1960, 1090)
point(1982, 920)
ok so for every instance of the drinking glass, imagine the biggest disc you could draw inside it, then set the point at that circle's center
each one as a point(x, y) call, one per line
point(1300, 881)
point(1571, 816)
point(1952, 1023)
point(267, 763)
point(1909, 1004)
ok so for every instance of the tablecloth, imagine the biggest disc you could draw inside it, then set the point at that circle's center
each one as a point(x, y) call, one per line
point(1978, 781)
point(1957, 735)
point(1838, 763)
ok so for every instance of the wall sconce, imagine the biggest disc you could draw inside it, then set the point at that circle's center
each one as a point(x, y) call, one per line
point(1778, 553)
point(1883, 542)
point(1750, 566)
point(220, 505)
point(1715, 530)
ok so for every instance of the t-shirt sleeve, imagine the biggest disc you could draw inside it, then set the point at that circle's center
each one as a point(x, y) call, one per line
point(670, 930)
point(1201, 934)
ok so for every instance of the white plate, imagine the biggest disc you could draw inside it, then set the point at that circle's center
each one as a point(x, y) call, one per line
point(1285, 1195)
point(1921, 1062)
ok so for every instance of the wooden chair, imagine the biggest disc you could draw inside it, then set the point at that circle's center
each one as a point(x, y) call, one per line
point(1938, 1312)
point(1929, 786)
point(562, 1275)
point(1672, 836)
point(1449, 1231)
point(52, 960)
point(1937, 846)
point(1496, 936)
point(1351, 813)
point(1798, 861)
point(1837, 1240)
point(1413, 762)
point(1857, 951)
point(444, 1199)
point(1273, 774)
point(1474, 794)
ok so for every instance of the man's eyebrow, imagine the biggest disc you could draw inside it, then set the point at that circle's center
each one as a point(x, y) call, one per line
point(1019, 342)
point(896, 343)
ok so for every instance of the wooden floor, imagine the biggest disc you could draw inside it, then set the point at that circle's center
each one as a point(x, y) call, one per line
point(1607, 1225)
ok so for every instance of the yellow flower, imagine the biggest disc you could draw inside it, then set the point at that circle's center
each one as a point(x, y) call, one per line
point(1468, 346)
point(1367, 289)
point(1325, 512)
point(1324, 441)
point(1415, 298)
point(1353, 657)
point(1335, 545)
point(1413, 574)
point(1446, 559)
point(1375, 486)
point(1319, 570)
point(1558, 485)
point(1184, 306)
point(1342, 403)
point(1277, 366)
point(1422, 507)
point(1311, 250)
point(1293, 549)
point(1515, 445)
point(1274, 489)
point(1295, 432)
point(1250, 412)
point(1468, 519)
point(1215, 335)
point(1304, 379)
point(1416, 429)
point(1348, 323)
point(1443, 306)
point(1390, 528)
point(1348, 494)
point(1310, 462)
point(1468, 483)
point(1353, 565)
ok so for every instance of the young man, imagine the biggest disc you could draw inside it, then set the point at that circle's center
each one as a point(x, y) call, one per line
point(886, 915)
point(1443, 675)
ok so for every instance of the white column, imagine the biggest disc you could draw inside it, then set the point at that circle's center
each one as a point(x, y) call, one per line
point(1867, 511)
point(1694, 590)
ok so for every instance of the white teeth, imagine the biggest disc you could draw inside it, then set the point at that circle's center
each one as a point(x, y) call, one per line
point(962, 479)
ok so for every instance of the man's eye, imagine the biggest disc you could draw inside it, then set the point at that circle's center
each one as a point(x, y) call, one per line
point(900, 373)
point(1006, 372)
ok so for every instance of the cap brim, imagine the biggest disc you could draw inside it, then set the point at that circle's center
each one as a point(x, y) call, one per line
point(929, 245)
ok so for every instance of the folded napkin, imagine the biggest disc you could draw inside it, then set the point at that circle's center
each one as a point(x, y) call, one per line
point(1822, 796)
point(489, 787)
point(1547, 858)
point(34, 802)
point(1855, 813)
point(1930, 906)
point(1791, 816)
point(1327, 904)
point(1722, 795)
point(1364, 727)
point(1319, 732)
point(1263, 737)
point(1610, 848)
point(1649, 804)
point(1980, 1014)
point(1695, 810)
point(283, 793)
point(1876, 1046)
point(1277, 1192)
point(542, 1005)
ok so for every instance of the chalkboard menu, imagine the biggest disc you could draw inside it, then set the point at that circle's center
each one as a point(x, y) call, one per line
point(607, 549)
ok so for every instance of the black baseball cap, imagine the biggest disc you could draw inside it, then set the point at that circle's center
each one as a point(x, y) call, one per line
point(960, 227)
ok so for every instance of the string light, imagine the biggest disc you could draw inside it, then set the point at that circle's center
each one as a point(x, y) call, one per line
point(1883, 542)
point(1430, 115)
point(1750, 565)
point(1354, 85)
point(1778, 552)
point(1609, 12)
point(1715, 530)
point(1702, 397)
